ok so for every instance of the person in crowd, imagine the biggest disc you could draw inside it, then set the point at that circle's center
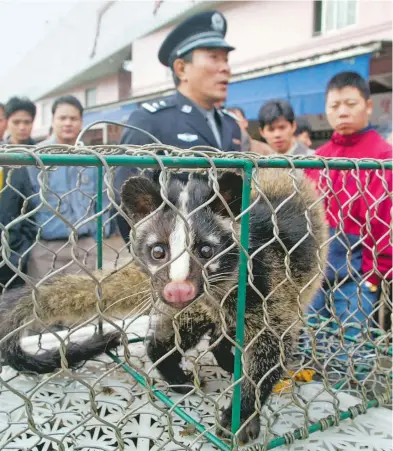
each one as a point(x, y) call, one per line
point(277, 126)
point(247, 143)
point(240, 117)
point(358, 207)
point(16, 240)
point(16, 192)
point(303, 132)
point(3, 122)
point(197, 54)
point(72, 191)
point(20, 114)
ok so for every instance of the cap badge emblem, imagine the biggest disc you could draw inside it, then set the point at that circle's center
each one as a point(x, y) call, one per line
point(217, 22)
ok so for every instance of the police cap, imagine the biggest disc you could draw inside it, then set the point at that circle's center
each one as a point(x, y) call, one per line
point(203, 30)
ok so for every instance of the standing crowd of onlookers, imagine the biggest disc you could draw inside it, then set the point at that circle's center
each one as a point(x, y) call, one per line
point(39, 242)
point(358, 206)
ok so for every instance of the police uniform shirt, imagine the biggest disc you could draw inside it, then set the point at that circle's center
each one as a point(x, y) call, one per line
point(176, 121)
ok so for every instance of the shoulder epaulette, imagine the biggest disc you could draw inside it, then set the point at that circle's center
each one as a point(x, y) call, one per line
point(156, 106)
point(228, 113)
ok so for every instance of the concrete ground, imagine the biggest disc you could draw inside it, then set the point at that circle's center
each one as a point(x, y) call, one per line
point(115, 253)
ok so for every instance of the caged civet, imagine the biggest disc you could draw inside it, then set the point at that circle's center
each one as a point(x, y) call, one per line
point(188, 266)
point(184, 254)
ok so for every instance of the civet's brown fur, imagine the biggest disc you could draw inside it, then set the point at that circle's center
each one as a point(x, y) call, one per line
point(70, 299)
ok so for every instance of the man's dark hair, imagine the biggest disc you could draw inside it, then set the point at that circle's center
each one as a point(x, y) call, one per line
point(238, 108)
point(352, 79)
point(15, 104)
point(273, 110)
point(187, 58)
point(302, 125)
point(69, 100)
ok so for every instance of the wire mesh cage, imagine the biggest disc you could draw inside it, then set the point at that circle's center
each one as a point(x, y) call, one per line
point(228, 324)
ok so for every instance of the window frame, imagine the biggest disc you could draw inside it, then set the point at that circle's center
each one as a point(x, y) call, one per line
point(87, 91)
point(320, 22)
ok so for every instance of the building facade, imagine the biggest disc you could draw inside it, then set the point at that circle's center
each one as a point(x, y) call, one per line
point(284, 49)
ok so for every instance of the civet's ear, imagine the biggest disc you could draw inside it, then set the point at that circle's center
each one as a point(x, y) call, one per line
point(231, 187)
point(140, 197)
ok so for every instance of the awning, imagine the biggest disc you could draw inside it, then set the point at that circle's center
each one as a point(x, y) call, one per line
point(304, 88)
point(118, 114)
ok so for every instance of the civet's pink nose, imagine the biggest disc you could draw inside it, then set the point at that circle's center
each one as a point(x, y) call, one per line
point(179, 293)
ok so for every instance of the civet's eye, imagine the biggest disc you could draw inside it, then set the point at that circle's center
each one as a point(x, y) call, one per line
point(158, 252)
point(205, 251)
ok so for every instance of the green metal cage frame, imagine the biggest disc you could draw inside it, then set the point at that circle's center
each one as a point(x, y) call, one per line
point(186, 162)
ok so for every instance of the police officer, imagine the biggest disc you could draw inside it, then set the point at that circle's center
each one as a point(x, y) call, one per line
point(197, 54)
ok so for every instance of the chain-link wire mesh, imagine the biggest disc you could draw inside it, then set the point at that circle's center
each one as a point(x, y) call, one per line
point(255, 245)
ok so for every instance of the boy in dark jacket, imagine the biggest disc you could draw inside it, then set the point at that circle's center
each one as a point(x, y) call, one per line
point(20, 114)
point(15, 192)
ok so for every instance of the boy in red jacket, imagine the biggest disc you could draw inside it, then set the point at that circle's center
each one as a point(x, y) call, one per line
point(358, 207)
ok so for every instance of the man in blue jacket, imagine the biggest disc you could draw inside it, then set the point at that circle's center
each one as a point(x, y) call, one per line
point(72, 191)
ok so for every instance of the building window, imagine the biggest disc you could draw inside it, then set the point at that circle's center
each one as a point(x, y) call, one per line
point(90, 97)
point(330, 15)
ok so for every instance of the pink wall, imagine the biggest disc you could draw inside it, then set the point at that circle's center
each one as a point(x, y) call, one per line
point(107, 90)
point(148, 74)
point(263, 33)
point(257, 28)
point(374, 12)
